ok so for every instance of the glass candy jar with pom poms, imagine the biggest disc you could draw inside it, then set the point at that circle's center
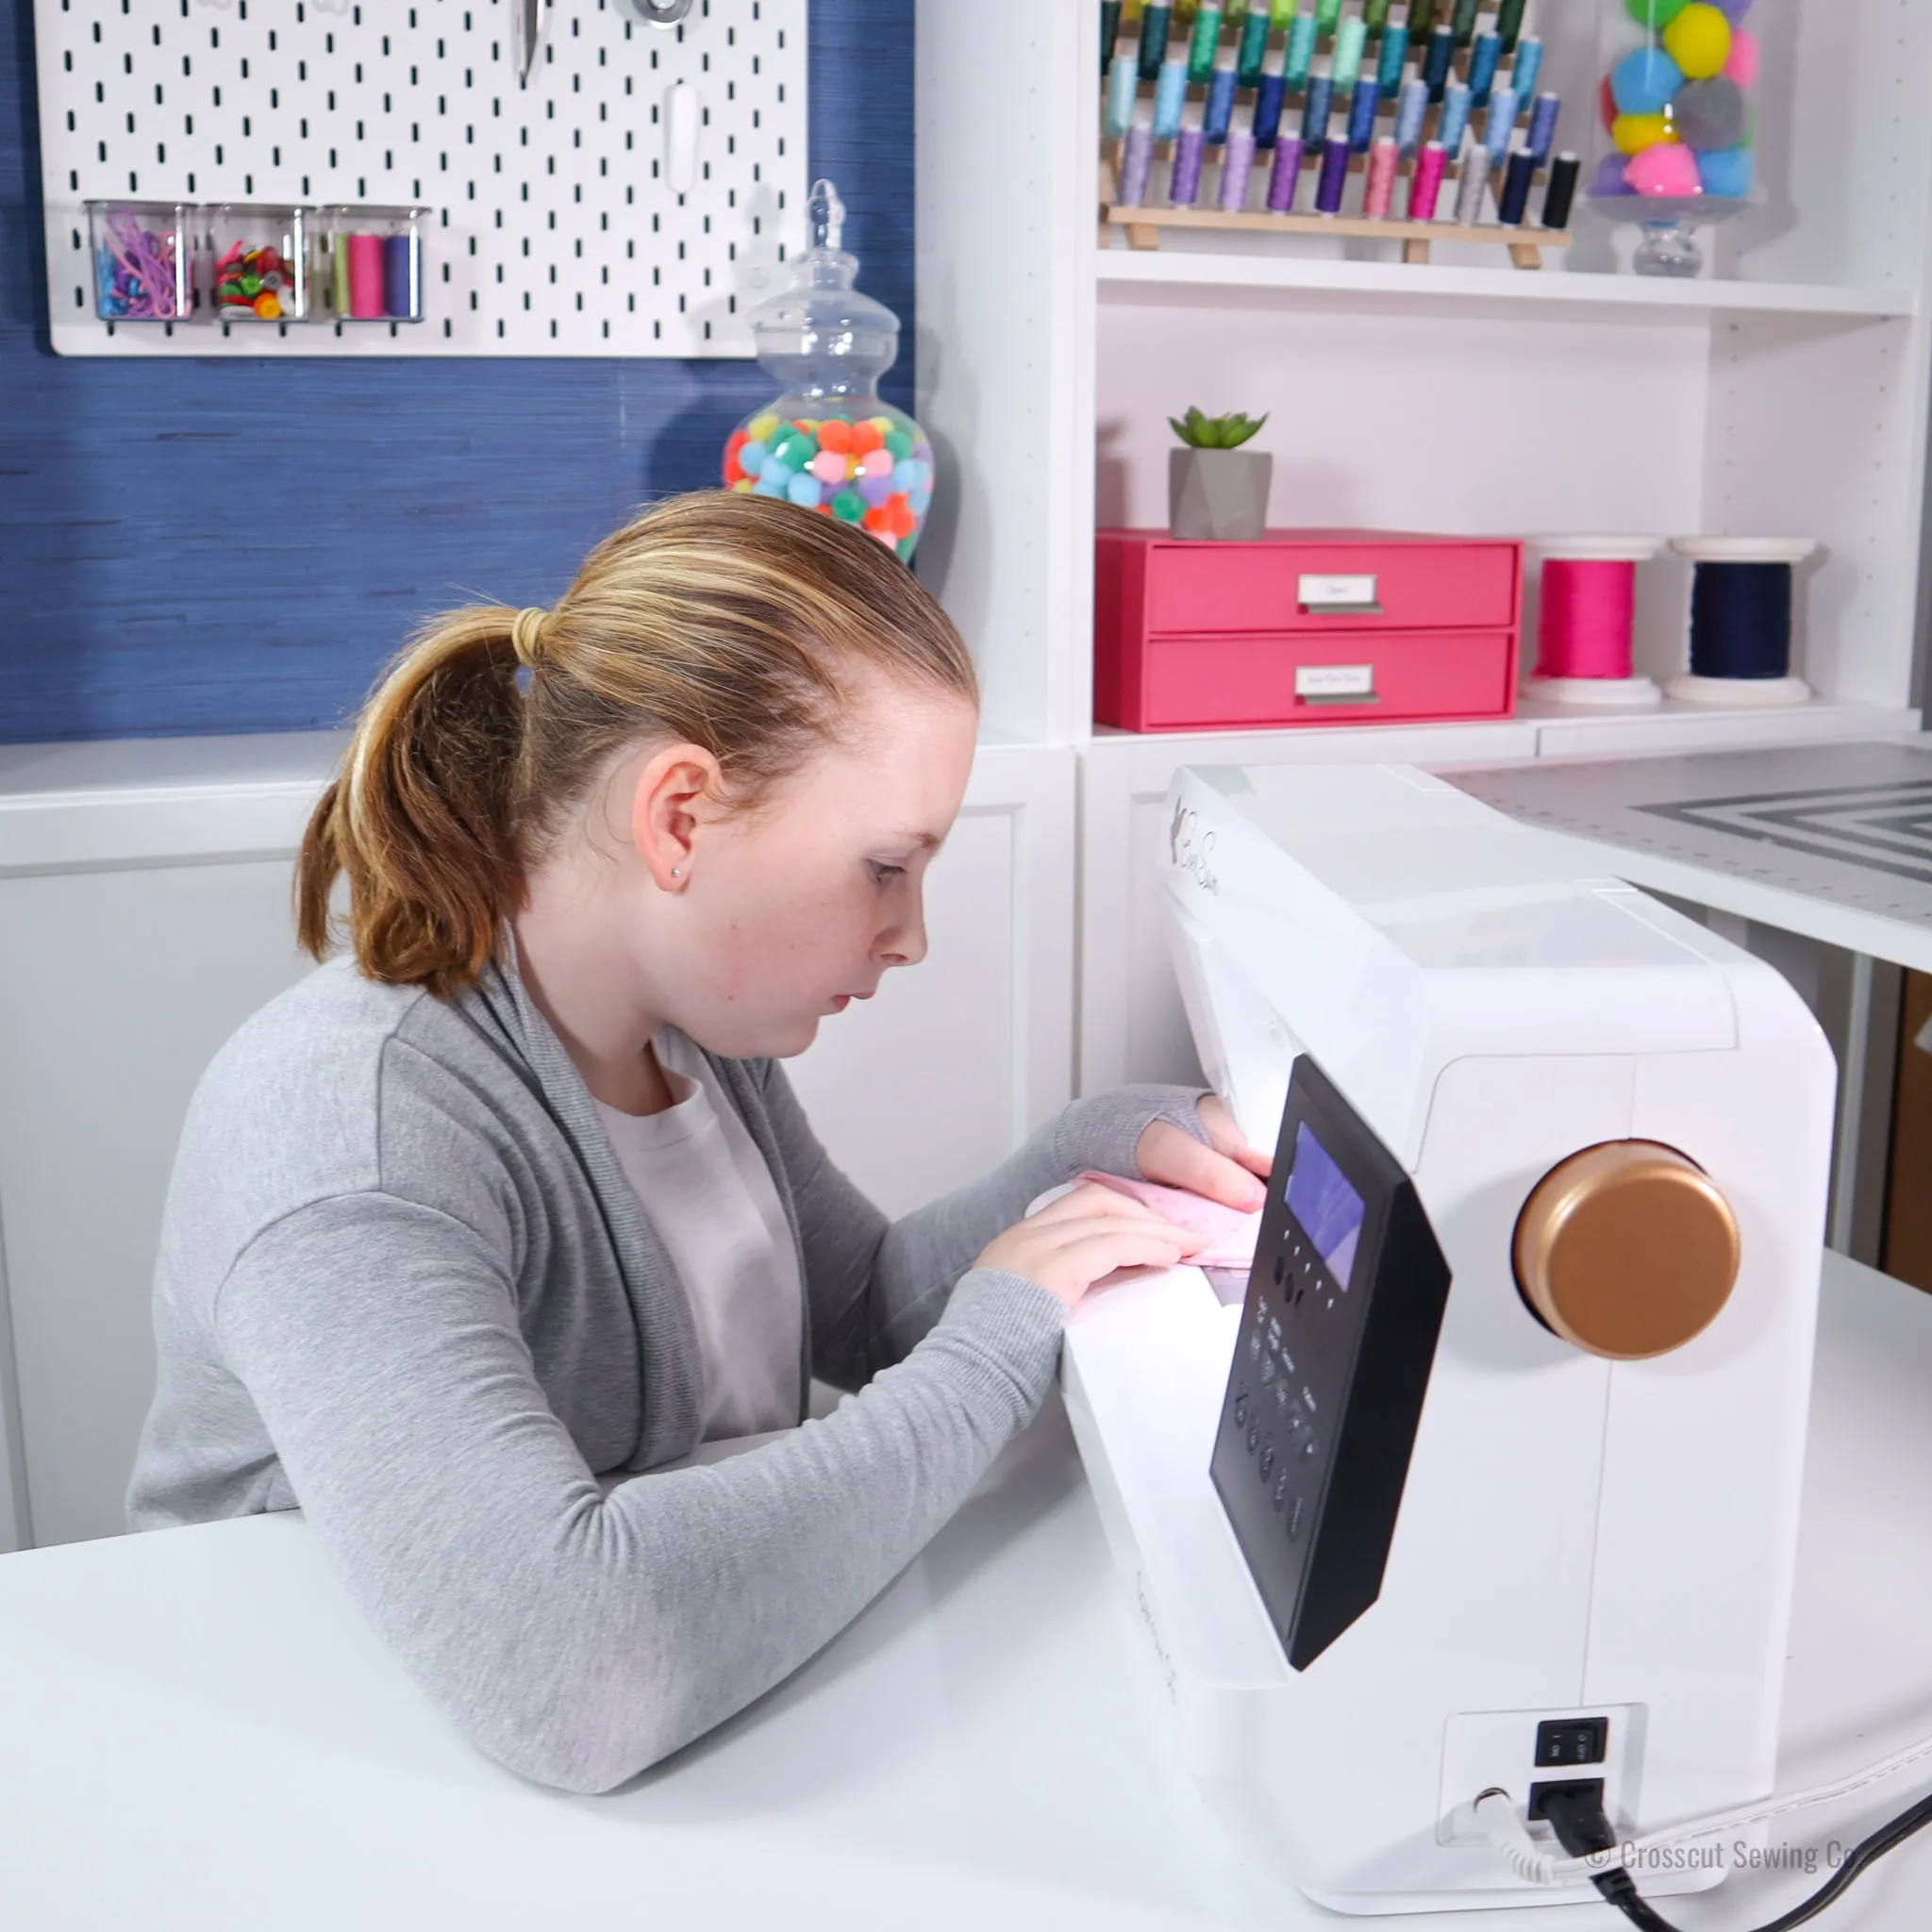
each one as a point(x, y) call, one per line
point(1678, 107)
point(828, 442)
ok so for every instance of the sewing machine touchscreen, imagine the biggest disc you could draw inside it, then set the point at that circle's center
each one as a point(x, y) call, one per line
point(1331, 1364)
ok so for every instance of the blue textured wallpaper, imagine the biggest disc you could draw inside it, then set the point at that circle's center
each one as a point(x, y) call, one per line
point(237, 546)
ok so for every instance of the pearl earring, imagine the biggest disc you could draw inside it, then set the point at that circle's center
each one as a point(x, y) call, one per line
point(675, 873)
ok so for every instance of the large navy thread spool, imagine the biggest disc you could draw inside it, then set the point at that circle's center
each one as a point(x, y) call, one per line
point(1740, 621)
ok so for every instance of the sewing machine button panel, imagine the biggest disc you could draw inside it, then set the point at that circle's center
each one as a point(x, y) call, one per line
point(1338, 1331)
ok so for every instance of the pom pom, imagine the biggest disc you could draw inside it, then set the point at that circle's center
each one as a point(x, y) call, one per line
point(1607, 103)
point(1644, 81)
point(1667, 169)
point(1727, 175)
point(1742, 65)
point(1655, 14)
point(1635, 133)
point(1609, 178)
point(1699, 41)
point(1734, 10)
point(1709, 113)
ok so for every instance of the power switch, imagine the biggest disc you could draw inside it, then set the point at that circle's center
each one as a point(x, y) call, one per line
point(1571, 1740)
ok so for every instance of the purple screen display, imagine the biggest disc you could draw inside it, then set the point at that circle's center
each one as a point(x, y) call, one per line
point(1320, 1197)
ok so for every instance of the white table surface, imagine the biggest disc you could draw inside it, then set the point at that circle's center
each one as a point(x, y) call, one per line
point(197, 1730)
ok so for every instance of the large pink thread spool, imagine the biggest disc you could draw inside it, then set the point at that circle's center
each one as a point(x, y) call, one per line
point(1583, 632)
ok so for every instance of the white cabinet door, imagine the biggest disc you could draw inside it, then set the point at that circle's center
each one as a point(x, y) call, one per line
point(1131, 1023)
point(957, 1060)
point(116, 988)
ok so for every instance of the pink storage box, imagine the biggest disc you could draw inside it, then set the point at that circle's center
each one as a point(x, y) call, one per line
point(1304, 627)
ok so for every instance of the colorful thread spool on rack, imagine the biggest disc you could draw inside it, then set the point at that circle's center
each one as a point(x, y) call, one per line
point(1584, 627)
point(1211, 123)
point(1741, 600)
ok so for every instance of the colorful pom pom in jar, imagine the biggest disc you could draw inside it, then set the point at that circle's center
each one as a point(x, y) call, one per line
point(828, 443)
point(1679, 123)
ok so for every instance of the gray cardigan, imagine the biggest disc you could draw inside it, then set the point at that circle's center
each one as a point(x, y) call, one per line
point(405, 1286)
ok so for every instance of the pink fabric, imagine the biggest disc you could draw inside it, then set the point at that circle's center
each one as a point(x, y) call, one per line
point(1229, 1233)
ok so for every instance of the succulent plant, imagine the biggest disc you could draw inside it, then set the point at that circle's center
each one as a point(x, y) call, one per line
point(1215, 432)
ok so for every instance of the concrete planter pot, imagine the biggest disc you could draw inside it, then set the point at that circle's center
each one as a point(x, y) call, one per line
point(1218, 493)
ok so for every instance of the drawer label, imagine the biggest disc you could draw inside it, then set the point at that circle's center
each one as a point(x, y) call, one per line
point(1330, 593)
point(1335, 684)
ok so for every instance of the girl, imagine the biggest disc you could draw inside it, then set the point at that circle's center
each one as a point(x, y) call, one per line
point(470, 1231)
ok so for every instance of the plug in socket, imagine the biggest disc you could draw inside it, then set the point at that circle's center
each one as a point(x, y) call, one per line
point(1540, 1794)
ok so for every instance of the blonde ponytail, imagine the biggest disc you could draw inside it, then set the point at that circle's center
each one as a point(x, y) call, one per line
point(716, 619)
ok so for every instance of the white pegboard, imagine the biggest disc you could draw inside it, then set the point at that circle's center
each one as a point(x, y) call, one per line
point(553, 230)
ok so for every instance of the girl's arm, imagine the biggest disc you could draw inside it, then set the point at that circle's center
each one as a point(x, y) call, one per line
point(577, 1637)
point(876, 1287)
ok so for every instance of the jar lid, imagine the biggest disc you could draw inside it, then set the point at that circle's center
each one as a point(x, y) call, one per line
point(820, 315)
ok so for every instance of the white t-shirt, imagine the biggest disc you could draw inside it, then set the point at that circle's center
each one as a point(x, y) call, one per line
point(708, 1192)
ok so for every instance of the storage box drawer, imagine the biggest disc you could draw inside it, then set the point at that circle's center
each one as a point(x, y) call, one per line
point(1219, 680)
point(1281, 587)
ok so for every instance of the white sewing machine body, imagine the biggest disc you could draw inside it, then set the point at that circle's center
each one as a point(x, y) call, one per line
point(1578, 1537)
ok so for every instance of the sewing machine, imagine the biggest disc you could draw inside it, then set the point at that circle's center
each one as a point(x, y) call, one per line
point(1487, 1475)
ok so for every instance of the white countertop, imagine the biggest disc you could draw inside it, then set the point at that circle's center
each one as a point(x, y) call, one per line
point(197, 1730)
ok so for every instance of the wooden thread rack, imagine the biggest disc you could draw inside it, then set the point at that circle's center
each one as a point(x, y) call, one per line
point(1144, 223)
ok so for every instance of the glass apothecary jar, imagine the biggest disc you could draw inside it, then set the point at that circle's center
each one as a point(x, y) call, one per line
point(143, 255)
point(260, 262)
point(368, 263)
point(828, 442)
point(1677, 106)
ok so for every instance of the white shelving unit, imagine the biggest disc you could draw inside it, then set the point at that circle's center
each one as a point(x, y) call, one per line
point(1784, 394)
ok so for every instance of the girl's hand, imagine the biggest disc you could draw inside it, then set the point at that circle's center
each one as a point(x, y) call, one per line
point(1076, 1240)
point(1226, 1169)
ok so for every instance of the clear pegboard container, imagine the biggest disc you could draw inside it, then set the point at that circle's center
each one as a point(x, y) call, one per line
point(259, 268)
point(143, 258)
point(368, 263)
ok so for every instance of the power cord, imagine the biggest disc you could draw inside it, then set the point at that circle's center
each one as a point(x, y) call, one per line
point(1584, 1833)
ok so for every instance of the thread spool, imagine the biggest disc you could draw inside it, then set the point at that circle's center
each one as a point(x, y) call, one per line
point(1334, 179)
point(1169, 97)
point(1350, 36)
point(1286, 177)
point(1123, 84)
point(1136, 163)
point(1184, 184)
point(1454, 117)
point(1412, 110)
point(1530, 64)
point(1470, 187)
point(1207, 38)
point(1425, 185)
point(1561, 191)
point(1110, 32)
point(1499, 121)
point(1361, 114)
point(1542, 127)
point(1379, 189)
point(1238, 161)
point(1316, 110)
point(1583, 628)
point(402, 292)
point(1740, 621)
point(365, 277)
point(1253, 49)
point(1513, 202)
point(1485, 57)
point(1154, 22)
point(1299, 55)
point(1436, 57)
point(1389, 64)
point(1217, 117)
point(1269, 97)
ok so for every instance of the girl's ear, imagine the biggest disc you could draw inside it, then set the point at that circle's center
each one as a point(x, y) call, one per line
point(677, 790)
